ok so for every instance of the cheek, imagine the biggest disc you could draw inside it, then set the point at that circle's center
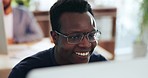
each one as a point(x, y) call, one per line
point(66, 48)
point(67, 53)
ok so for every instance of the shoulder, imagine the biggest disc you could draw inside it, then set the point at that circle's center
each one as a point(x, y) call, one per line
point(97, 58)
point(41, 58)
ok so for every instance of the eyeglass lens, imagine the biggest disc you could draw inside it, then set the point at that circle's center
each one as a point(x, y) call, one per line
point(76, 38)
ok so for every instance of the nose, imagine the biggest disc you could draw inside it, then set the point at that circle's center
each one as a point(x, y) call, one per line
point(84, 43)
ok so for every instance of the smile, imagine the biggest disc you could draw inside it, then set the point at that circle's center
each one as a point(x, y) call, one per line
point(82, 53)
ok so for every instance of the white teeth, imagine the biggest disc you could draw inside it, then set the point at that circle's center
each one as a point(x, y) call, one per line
point(82, 54)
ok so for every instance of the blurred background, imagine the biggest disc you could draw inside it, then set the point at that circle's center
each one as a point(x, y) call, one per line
point(119, 22)
point(123, 24)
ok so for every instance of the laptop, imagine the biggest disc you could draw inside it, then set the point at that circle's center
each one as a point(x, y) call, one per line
point(115, 69)
point(3, 41)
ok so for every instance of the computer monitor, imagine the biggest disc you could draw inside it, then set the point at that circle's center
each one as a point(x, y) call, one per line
point(116, 69)
point(3, 40)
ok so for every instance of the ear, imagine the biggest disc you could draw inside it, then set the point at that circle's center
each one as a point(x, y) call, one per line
point(54, 37)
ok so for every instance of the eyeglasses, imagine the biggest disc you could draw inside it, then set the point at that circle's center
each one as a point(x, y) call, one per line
point(77, 37)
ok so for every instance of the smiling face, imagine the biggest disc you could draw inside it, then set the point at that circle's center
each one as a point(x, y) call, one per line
point(66, 53)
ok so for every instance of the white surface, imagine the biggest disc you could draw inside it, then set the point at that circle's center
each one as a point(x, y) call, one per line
point(17, 52)
point(128, 53)
point(21, 51)
point(127, 69)
point(103, 52)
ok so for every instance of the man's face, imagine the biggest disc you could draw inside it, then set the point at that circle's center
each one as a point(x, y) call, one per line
point(6, 3)
point(72, 23)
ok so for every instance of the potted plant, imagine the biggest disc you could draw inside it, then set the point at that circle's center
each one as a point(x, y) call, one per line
point(140, 46)
point(21, 2)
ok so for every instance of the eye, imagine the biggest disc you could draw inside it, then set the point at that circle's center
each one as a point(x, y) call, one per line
point(75, 36)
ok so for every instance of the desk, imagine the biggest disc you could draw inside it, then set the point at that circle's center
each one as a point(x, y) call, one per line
point(7, 62)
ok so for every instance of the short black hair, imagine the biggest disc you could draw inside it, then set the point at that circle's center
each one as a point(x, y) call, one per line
point(62, 6)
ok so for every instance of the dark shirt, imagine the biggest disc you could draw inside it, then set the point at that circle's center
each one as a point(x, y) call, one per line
point(42, 59)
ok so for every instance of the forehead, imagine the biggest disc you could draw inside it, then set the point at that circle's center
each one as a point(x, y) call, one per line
point(76, 22)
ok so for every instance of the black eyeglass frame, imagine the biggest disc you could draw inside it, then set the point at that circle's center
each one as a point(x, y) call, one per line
point(84, 34)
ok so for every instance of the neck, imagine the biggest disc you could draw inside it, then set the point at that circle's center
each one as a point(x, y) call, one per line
point(8, 10)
